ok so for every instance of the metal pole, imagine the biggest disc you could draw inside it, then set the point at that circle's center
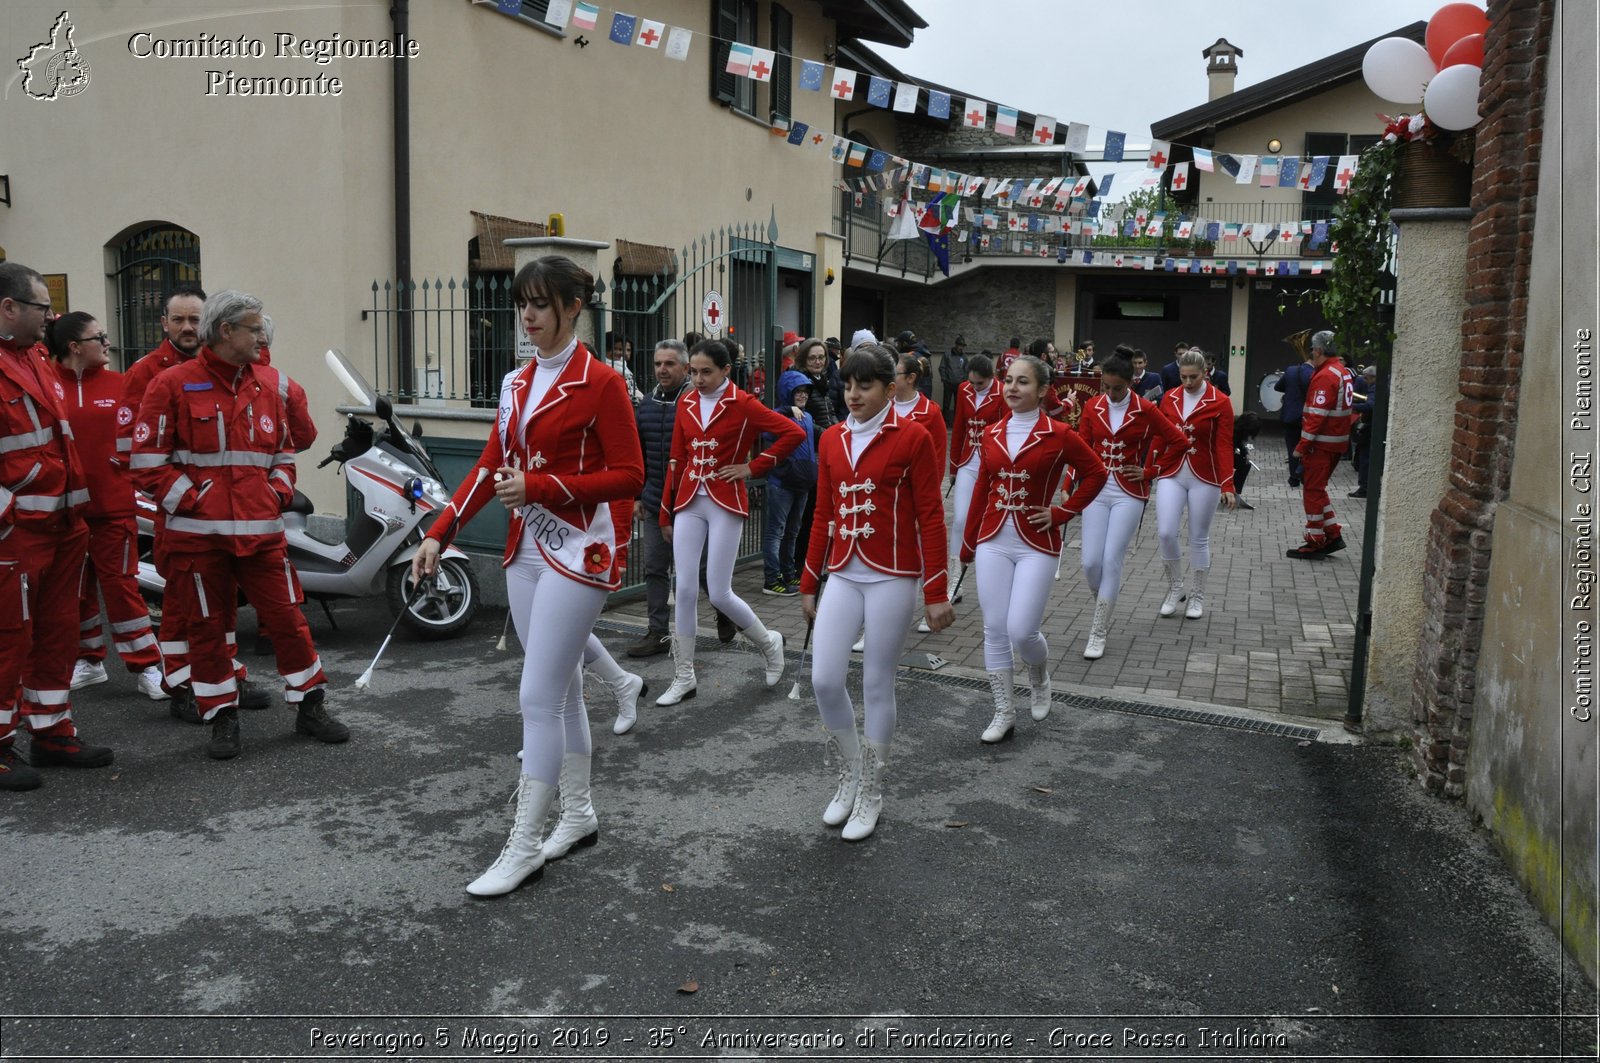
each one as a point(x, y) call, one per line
point(774, 330)
point(1377, 444)
point(400, 15)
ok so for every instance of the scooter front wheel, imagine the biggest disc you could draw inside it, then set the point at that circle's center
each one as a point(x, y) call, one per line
point(443, 609)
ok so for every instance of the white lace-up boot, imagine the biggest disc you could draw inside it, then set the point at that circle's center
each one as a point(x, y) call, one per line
point(683, 683)
point(625, 687)
point(1039, 686)
point(770, 643)
point(1169, 605)
point(1005, 717)
point(576, 827)
point(1096, 646)
point(869, 793)
point(1197, 596)
point(523, 857)
point(844, 750)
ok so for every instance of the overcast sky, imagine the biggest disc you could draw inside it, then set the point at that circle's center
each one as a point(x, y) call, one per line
point(1125, 64)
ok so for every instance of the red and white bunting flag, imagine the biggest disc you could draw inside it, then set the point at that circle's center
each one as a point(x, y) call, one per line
point(1050, 186)
point(1344, 172)
point(761, 60)
point(1150, 179)
point(1014, 221)
point(1160, 153)
point(842, 86)
point(650, 33)
point(1303, 182)
point(1044, 130)
point(975, 115)
point(1180, 176)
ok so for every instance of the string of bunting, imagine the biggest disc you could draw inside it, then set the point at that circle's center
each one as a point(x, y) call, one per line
point(1080, 203)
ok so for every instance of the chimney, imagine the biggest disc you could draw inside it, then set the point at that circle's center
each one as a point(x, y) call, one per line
point(1222, 67)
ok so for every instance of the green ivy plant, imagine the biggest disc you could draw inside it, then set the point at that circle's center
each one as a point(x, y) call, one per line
point(1352, 299)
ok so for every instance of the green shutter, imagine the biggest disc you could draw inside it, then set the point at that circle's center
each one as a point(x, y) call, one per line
point(783, 66)
point(724, 28)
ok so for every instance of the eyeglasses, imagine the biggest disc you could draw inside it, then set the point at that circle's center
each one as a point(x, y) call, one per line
point(37, 306)
point(99, 337)
point(258, 330)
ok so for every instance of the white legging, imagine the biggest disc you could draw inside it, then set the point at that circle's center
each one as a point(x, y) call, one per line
point(1174, 493)
point(966, 478)
point(1107, 527)
point(700, 524)
point(561, 612)
point(1014, 581)
point(886, 608)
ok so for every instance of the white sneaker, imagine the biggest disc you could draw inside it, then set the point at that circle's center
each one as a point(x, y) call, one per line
point(860, 645)
point(88, 673)
point(149, 684)
point(923, 628)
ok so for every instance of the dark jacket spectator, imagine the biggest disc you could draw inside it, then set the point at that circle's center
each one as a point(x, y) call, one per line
point(654, 416)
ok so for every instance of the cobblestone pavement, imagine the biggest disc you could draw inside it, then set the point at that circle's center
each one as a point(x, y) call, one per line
point(1278, 635)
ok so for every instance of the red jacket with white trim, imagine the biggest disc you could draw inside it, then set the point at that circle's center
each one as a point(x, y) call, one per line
point(1325, 426)
point(698, 451)
point(579, 455)
point(887, 510)
point(302, 429)
point(1146, 439)
point(42, 483)
point(1009, 486)
point(91, 401)
point(135, 382)
point(211, 445)
point(927, 414)
point(1209, 429)
point(972, 418)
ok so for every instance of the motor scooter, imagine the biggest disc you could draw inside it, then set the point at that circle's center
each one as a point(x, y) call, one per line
point(399, 491)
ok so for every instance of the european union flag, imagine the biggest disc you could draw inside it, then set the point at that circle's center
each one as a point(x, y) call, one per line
point(1114, 145)
point(1171, 265)
point(938, 104)
point(877, 161)
point(622, 27)
point(1094, 209)
point(1105, 186)
point(811, 75)
point(1227, 164)
point(1214, 231)
point(509, 7)
point(1061, 253)
point(1288, 171)
point(1017, 188)
point(1128, 227)
point(1233, 267)
point(940, 246)
point(1319, 235)
point(1319, 170)
point(797, 133)
point(1088, 258)
point(878, 92)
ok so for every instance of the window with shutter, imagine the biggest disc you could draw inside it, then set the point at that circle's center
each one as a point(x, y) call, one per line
point(724, 28)
point(782, 67)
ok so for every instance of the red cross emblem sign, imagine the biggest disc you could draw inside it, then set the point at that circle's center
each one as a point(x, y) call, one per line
point(714, 314)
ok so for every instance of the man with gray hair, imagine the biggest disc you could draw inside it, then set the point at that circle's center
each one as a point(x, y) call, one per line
point(212, 445)
point(1324, 438)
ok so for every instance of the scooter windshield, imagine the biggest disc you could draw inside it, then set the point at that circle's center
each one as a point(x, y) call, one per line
point(356, 384)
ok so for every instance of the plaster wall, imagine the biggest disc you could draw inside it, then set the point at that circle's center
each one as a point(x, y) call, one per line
point(1429, 301)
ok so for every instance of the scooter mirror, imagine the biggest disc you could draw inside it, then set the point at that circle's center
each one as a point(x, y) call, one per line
point(348, 375)
point(384, 407)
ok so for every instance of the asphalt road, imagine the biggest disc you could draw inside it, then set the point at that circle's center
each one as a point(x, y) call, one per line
point(1107, 884)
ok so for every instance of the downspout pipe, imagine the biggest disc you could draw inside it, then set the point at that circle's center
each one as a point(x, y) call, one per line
point(400, 18)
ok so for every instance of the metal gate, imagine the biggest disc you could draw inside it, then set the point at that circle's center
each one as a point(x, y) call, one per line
point(739, 263)
point(150, 264)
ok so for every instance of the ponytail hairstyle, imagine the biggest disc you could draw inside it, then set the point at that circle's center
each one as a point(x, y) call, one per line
point(61, 333)
point(1119, 364)
point(910, 363)
point(982, 364)
point(555, 279)
point(715, 350)
point(867, 362)
point(1041, 372)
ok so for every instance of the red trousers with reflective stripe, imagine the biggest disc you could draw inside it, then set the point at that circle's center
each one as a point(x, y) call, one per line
point(41, 572)
point(175, 629)
point(1319, 466)
point(113, 571)
point(204, 587)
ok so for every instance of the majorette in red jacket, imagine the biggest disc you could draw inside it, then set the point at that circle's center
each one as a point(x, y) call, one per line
point(211, 446)
point(92, 397)
point(927, 414)
point(579, 455)
point(1209, 429)
point(1007, 487)
point(699, 450)
point(887, 511)
point(1328, 416)
point(42, 483)
point(1146, 439)
point(972, 417)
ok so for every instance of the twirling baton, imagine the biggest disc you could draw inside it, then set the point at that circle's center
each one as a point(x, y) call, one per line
point(794, 691)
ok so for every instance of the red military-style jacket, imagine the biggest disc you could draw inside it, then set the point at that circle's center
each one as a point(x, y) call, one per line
point(42, 482)
point(887, 510)
point(579, 456)
point(1209, 429)
point(1329, 413)
point(927, 414)
point(92, 397)
point(212, 446)
point(1009, 486)
point(972, 418)
point(1146, 439)
point(699, 450)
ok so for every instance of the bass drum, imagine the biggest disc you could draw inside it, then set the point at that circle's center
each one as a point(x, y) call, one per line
point(1271, 397)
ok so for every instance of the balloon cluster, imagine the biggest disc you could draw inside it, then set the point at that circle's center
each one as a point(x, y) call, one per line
point(1443, 76)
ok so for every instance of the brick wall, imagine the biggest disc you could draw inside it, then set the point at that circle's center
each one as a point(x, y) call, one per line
point(987, 308)
point(1499, 253)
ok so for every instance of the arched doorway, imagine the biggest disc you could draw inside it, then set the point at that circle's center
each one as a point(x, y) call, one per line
point(147, 264)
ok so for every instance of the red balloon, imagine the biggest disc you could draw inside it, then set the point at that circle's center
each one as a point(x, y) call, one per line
point(1468, 51)
point(1451, 23)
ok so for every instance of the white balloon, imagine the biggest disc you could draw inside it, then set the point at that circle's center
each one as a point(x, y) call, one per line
point(1451, 101)
point(1398, 69)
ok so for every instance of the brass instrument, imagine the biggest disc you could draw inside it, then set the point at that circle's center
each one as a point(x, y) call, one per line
point(1301, 342)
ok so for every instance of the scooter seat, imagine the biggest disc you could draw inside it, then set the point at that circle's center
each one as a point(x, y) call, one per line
point(301, 504)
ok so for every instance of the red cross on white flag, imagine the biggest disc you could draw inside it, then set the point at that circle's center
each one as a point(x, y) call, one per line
point(1343, 173)
point(975, 115)
point(1044, 130)
point(843, 84)
point(1159, 150)
point(1180, 176)
point(650, 33)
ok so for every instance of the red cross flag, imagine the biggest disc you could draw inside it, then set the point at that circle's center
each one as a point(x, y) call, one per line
point(1343, 173)
point(843, 84)
point(975, 115)
point(761, 60)
point(713, 314)
point(1159, 150)
point(1044, 130)
point(1180, 176)
point(650, 33)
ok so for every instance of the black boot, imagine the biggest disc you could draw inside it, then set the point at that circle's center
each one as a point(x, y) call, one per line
point(68, 752)
point(725, 627)
point(653, 644)
point(15, 774)
point(252, 697)
point(182, 706)
point(313, 719)
point(224, 744)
